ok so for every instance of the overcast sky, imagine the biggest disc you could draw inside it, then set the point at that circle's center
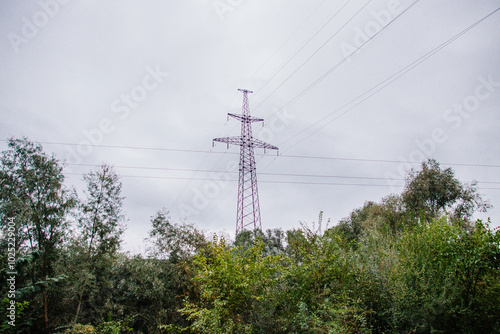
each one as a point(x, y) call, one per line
point(146, 85)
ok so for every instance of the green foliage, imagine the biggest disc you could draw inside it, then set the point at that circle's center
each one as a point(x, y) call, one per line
point(94, 251)
point(443, 275)
point(32, 192)
point(150, 291)
point(101, 220)
point(114, 327)
point(412, 263)
point(235, 291)
point(173, 241)
point(320, 288)
point(81, 329)
point(273, 240)
point(358, 221)
point(431, 191)
point(18, 321)
point(107, 327)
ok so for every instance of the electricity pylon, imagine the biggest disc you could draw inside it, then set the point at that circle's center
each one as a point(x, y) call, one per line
point(248, 211)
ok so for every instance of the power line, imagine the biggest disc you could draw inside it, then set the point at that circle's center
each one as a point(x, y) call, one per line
point(235, 180)
point(194, 173)
point(281, 155)
point(235, 172)
point(384, 161)
point(269, 181)
point(385, 82)
point(300, 49)
point(312, 85)
point(262, 173)
point(393, 77)
point(315, 52)
point(274, 53)
point(282, 45)
point(380, 86)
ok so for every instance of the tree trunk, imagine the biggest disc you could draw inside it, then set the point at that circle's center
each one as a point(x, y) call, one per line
point(45, 308)
point(78, 308)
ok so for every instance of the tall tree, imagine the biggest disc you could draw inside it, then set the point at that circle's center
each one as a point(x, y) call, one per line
point(431, 191)
point(32, 192)
point(101, 224)
point(173, 241)
point(102, 220)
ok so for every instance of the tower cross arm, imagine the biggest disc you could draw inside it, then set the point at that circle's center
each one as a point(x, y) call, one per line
point(262, 144)
point(230, 140)
point(240, 142)
point(246, 118)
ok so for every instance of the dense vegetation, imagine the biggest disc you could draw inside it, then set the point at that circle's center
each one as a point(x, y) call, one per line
point(414, 263)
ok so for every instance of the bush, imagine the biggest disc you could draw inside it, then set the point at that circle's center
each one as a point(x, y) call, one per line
point(81, 329)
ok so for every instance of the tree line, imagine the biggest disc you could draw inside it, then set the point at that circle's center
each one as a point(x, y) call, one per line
point(415, 262)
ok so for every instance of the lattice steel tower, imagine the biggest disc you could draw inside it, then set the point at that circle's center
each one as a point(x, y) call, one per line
point(248, 211)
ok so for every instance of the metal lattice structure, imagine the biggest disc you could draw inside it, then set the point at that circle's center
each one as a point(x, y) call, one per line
point(248, 211)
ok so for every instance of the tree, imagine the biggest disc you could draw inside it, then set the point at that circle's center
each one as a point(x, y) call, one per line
point(446, 279)
point(429, 193)
point(149, 292)
point(273, 239)
point(432, 191)
point(101, 220)
point(352, 227)
point(100, 226)
point(235, 290)
point(322, 287)
point(173, 241)
point(32, 192)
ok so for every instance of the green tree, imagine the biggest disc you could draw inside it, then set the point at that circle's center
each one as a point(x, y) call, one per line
point(149, 292)
point(235, 290)
point(352, 227)
point(32, 192)
point(446, 279)
point(101, 222)
point(431, 191)
point(173, 241)
point(100, 226)
point(273, 239)
point(322, 288)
